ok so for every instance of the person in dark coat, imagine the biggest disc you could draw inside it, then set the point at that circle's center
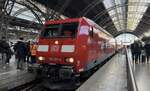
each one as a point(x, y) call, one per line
point(136, 51)
point(132, 51)
point(5, 50)
point(143, 54)
point(147, 50)
point(28, 55)
point(20, 51)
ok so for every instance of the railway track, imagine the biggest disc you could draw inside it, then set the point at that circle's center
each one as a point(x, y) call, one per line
point(28, 86)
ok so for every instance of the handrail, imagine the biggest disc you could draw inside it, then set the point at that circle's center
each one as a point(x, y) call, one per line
point(131, 82)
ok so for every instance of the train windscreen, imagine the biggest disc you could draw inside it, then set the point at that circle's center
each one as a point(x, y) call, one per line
point(60, 30)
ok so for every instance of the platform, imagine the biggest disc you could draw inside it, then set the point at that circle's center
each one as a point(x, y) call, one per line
point(10, 77)
point(111, 77)
point(142, 76)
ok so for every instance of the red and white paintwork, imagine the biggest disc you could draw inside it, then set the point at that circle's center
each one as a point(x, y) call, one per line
point(86, 50)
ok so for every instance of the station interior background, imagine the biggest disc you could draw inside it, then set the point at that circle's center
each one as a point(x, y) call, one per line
point(126, 20)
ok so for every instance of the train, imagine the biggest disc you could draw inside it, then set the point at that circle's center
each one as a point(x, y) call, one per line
point(71, 47)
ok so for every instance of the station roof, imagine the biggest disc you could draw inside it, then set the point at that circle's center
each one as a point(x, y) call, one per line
point(24, 23)
point(116, 16)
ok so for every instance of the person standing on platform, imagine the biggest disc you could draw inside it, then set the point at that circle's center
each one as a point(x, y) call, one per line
point(5, 51)
point(133, 51)
point(28, 55)
point(20, 50)
point(147, 50)
point(136, 51)
point(143, 53)
point(33, 49)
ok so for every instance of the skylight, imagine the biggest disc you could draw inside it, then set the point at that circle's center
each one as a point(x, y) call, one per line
point(126, 14)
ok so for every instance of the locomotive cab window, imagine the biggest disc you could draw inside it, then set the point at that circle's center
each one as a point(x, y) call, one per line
point(60, 30)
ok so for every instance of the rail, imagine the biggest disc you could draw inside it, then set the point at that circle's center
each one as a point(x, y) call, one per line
point(131, 82)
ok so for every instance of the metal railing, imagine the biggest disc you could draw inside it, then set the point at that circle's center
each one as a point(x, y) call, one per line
point(131, 82)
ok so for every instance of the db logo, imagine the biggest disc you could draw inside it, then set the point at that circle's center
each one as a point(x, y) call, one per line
point(54, 48)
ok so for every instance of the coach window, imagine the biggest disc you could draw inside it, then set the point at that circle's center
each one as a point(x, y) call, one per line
point(91, 31)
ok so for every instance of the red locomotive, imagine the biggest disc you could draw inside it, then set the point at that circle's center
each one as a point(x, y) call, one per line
point(70, 47)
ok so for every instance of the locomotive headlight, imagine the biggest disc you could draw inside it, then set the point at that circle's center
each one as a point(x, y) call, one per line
point(41, 58)
point(69, 60)
point(56, 42)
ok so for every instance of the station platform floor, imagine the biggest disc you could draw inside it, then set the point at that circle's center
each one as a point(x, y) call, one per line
point(8, 67)
point(141, 73)
point(10, 77)
point(142, 76)
point(111, 77)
